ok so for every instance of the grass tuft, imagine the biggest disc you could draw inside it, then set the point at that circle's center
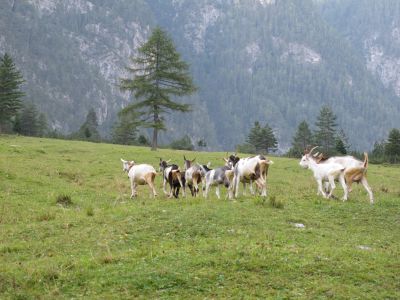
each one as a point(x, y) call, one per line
point(64, 200)
point(273, 202)
point(47, 216)
point(384, 189)
point(90, 211)
point(108, 259)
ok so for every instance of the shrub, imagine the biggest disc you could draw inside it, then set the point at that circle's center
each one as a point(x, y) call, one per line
point(182, 144)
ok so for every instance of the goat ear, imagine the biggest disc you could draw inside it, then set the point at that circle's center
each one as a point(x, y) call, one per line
point(184, 157)
point(209, 164)
point(193, 159)
point(225, 159)
point(168, 161)
point(123, 160)
point(160, 159)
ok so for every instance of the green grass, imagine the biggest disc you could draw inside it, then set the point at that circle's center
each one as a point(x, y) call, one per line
point(102, 245)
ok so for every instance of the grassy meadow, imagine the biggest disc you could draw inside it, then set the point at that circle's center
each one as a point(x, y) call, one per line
point(103, 245)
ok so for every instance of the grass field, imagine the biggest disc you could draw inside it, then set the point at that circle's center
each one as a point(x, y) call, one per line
point(104, 245)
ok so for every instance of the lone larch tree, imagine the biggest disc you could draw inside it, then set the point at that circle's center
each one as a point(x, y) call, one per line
point(158, 74)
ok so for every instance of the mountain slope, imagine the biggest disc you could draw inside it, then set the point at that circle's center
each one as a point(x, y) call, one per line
point(257, 60)
point(373, 28)
point(277, 62)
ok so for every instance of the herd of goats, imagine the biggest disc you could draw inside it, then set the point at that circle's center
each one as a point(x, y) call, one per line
point(248, 170)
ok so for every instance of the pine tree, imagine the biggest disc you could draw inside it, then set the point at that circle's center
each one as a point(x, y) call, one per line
point(342, 143)
point(42, 125)
point(88, 130)
point(262, 138)
point(158, 73)
point(126, 128)
point(340, 146)
point(27, 121)
point(325, 135)
point(10, 93)
point(392, 147)
point(302, 140)
point(378, 152)
point(271, 142)
point(255, 136)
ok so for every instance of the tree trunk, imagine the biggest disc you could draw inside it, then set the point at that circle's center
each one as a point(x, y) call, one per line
point(155, 130)
point(154, 143)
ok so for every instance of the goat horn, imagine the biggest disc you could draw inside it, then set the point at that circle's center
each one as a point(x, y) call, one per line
point(316, 154)
point(313, 149)
point(168, 161)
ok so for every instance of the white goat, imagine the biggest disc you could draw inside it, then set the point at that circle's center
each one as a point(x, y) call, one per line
point(250, 169)
point(325, 171)
point(355, 171)
point(139, 175)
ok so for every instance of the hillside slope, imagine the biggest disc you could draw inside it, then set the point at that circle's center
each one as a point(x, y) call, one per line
point(103, 245)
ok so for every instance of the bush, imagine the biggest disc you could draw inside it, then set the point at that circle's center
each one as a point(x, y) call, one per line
point(182, 144)
point(246, 148)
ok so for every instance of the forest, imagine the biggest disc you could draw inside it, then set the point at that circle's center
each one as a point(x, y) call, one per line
point(283, 62)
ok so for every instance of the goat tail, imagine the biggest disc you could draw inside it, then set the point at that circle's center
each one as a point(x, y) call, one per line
point(196, 177)
point(355, 174)
point(365, 160)
point(266, 162)
point(150, 177)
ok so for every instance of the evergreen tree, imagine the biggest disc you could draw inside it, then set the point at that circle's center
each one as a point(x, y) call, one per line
point(262, 138)
point(159, 73)
point(126, 128)
point(392, 147)
point(302, 140)
point(88, 130)
point(378, 152)
point(10, 93)
point(340, 146)
point(256, 137)
point(185, 143)
point(325, 135)
point(271, 142)
point(201, 143)
point(42, 126)
point(27, 121)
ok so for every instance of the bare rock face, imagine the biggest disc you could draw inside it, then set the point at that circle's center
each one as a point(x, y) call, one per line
point(384, 65)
